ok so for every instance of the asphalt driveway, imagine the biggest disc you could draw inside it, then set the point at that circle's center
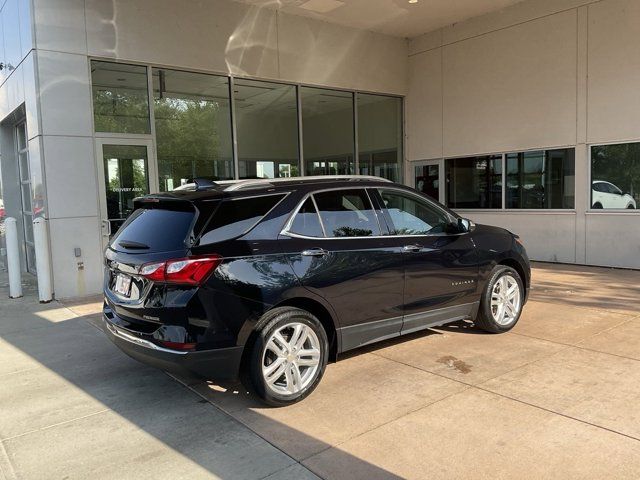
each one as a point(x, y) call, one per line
point(559, 396)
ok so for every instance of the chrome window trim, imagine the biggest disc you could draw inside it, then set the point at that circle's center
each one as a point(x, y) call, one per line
point(287, 226)
point(315, 205)
point(285, 230)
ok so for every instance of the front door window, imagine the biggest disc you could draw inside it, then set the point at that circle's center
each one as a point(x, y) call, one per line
point(126, 177)
point(408, 215)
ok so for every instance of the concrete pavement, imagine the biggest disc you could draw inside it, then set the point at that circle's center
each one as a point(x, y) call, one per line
point(74, 407)
point(557, 397)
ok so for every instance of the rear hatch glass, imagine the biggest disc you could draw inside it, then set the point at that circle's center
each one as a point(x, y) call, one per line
point(155, 230)
point(236, 216)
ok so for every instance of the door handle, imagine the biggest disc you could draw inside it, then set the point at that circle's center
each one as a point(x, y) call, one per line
point(314, 252)
point(412, 248)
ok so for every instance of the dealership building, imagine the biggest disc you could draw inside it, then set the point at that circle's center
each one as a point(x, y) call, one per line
point(522, 114)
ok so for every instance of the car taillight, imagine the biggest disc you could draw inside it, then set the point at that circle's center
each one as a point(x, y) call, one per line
point(185, 271)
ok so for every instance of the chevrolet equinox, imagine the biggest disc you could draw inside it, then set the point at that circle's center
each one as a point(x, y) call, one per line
point(270, 279)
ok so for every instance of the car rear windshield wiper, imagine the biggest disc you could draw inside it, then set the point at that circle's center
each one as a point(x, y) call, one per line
point(132, 245)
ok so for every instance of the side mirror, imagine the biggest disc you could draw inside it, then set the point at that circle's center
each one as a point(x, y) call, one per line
point(464, 225)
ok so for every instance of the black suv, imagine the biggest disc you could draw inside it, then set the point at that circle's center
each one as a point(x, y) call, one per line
point(273, 278)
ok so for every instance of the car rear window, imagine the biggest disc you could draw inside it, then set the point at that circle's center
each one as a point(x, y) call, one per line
point(236, 217)
point(154, 230)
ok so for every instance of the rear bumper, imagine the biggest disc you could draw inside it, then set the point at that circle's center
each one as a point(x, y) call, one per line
point(217, 364)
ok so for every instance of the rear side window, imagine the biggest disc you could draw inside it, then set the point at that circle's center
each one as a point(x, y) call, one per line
point(347, 213)
point(307, 222)
point(154, 230)
point(236, 217)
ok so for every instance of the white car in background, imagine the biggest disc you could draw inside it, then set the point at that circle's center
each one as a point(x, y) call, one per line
point(607, 195)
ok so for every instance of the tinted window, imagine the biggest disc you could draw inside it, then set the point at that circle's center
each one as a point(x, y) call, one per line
point(615, 170)
point(541, 179)
point(474, 182)
point(380, 136)
point(192, 116)
point(409, 215)
point(120, 99)
point(347, 213)
point(267, 129)
point(159, 230)
point(327, 127)
point(236, 217)
point(306, 222)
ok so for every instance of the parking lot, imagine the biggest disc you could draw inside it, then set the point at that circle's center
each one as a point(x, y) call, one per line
point(559, 396)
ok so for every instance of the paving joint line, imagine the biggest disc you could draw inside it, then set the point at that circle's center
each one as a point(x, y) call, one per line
point(7, 470)
point(581, 347)
point(410, 412)
point(23, 370)
point(479, 387)
point(48, 427)
point(634, 314)
point(239, 422)
point(586, 422)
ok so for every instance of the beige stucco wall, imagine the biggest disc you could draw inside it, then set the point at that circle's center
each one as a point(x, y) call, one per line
point(540, 74)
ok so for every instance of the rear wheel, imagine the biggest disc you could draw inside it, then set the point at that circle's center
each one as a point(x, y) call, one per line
point(288, 357)
point(502, 300)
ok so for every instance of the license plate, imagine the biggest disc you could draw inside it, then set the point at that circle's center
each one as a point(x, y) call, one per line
point(123, 285)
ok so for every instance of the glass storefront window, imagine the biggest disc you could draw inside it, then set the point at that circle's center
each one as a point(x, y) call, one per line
point(380, 136)
point(120, 97)
point(328, 133)
point(615, 176)
point(541, 179)
point(474, 182)
point(267, 129)
point(193, 127)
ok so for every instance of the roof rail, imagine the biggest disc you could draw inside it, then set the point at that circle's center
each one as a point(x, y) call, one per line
point(260, 182)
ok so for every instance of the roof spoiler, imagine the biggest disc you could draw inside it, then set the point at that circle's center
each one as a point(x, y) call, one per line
point(198, 184)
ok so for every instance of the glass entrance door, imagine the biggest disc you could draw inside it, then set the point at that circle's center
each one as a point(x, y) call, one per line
point(125, 168)
point(427, 178)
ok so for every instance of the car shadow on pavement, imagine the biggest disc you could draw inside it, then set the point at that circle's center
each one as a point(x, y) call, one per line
point(74, 405)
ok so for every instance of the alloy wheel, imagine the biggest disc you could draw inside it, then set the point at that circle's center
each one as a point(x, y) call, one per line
point(505, 300)
point(291, 359)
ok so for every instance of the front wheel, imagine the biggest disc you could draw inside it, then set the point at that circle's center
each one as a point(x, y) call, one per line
point(288, 357)
point(502, 300)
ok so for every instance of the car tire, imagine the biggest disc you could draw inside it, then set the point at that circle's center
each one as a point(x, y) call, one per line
point(283, 370)
point(597, 206)
point(499, 310)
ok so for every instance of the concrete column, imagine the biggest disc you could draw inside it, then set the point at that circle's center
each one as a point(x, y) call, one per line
point(582, 187)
